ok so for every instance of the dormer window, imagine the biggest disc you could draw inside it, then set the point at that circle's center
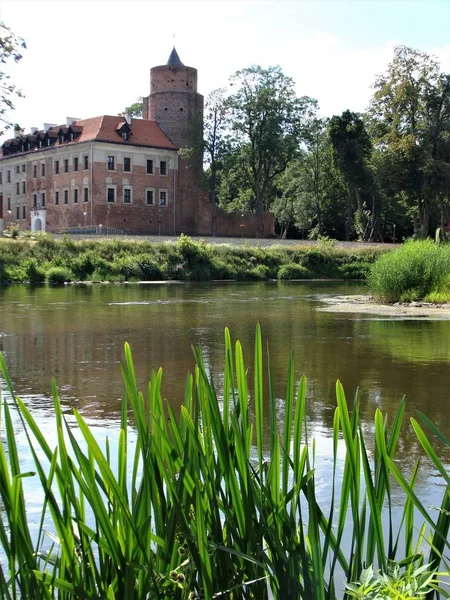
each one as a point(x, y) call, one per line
point(124, 130)
point(71, 136)
point(61, 138)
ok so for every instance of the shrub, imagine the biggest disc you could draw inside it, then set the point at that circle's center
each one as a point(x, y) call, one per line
point(293, 271)
point(411, 272)
point(33, 272)
point(57, 275)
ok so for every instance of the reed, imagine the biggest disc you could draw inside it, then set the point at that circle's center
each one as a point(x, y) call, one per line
point(207, 503)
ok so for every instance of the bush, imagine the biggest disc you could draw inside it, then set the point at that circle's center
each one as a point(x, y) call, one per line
point(33, 272)
point(57, 276)
point(412, 272)
point(293, 271)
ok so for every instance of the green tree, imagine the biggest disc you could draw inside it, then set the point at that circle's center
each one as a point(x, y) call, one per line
point(135, 110)
point(11, 47)
point(268, 121)
point(409, 122)
point(351, 154)
point(216, 144)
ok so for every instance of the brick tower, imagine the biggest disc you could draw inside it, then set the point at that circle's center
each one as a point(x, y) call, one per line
point(178, 108)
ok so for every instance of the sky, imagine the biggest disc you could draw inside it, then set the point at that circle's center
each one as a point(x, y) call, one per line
point(93, 57)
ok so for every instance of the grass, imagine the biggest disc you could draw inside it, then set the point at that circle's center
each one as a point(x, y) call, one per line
point(209, 504)
point(187, 260)
point(418, 270)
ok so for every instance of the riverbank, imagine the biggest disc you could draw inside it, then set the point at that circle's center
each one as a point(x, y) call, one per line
point(183, 259)
point(367, 305)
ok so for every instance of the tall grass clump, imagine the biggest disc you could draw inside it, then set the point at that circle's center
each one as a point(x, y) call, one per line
point(209, 503)
point(415, 271)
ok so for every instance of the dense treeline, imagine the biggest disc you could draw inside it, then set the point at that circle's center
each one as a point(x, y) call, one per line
point(58, 261)
point(372, 176)
point(375, 176)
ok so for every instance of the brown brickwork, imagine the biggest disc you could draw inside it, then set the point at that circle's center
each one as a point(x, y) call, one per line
point(171, 132)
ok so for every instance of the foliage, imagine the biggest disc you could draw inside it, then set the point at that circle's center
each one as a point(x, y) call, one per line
point(186, 260)
point(209, 502)
point(268, 121)
point(135, 110)
point(57, 275)
point(351, 154)
point(293, 271)
point(415, 271)
point(12, 231)
point(409, 121)
point(11, 47)
point(412, 584)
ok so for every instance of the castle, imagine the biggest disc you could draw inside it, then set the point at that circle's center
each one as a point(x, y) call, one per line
point(119, 174)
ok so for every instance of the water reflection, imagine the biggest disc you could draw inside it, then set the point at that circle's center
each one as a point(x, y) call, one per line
point(76, 334)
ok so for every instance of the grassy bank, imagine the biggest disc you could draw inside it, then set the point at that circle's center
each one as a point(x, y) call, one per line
point(418, 270)
point(209, 504)
point(48, 259)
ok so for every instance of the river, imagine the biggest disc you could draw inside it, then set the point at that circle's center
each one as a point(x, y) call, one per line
point(76, 334)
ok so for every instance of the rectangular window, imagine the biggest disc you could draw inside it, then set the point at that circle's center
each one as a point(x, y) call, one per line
point(24, 168)
point(24, 212)
point(75, 163)
point(1, 177)
point(66, 165)
point(162, 198)
point(56, 197)
point(66, 196)
point(149, 196)
point(127, 164)
point(85, 162)
point(163, 167)
point(34, 200)
point(127, 195)
point(85, 194)
point(56, 167)
point(17, 169)
point(150, 167)
point(34, 170)
point(110, 194)
point(8, 204)
point(8, 177)
point(43, 170)
point(111, 163)
point(43, 199)
point(17, 212)
point(75, 195)
point(24, 187)
point(17, 188)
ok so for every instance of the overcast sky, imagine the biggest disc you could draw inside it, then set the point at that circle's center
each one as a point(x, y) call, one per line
point(88, 58)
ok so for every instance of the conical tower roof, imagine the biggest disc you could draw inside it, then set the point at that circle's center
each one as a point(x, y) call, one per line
point(174, 59)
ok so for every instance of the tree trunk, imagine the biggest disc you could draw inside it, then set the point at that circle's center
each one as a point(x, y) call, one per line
point(348, 223)
point(258, 210)
point(426, 218)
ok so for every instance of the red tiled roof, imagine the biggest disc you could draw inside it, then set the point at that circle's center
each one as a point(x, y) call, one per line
point(142, 132)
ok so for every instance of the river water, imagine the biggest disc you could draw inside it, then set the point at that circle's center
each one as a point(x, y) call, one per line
point(76, 334)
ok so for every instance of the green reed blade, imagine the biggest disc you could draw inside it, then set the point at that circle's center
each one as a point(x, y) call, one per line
point(258, 394)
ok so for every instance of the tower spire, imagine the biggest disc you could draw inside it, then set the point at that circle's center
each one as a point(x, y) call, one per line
point(174, 59)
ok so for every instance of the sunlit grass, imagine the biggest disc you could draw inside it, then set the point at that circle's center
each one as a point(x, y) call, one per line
point(418, 270)
point(208, 503)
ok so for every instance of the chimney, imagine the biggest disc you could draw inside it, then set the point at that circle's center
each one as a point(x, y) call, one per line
point(48, 126)
point(71, 120)
point(127, 118)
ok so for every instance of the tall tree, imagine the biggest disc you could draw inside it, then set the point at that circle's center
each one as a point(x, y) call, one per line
point(216, 143)
point(268, 121)
point(351, 153)
point(409, 122)
point(11, 47)
point(136, 109)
